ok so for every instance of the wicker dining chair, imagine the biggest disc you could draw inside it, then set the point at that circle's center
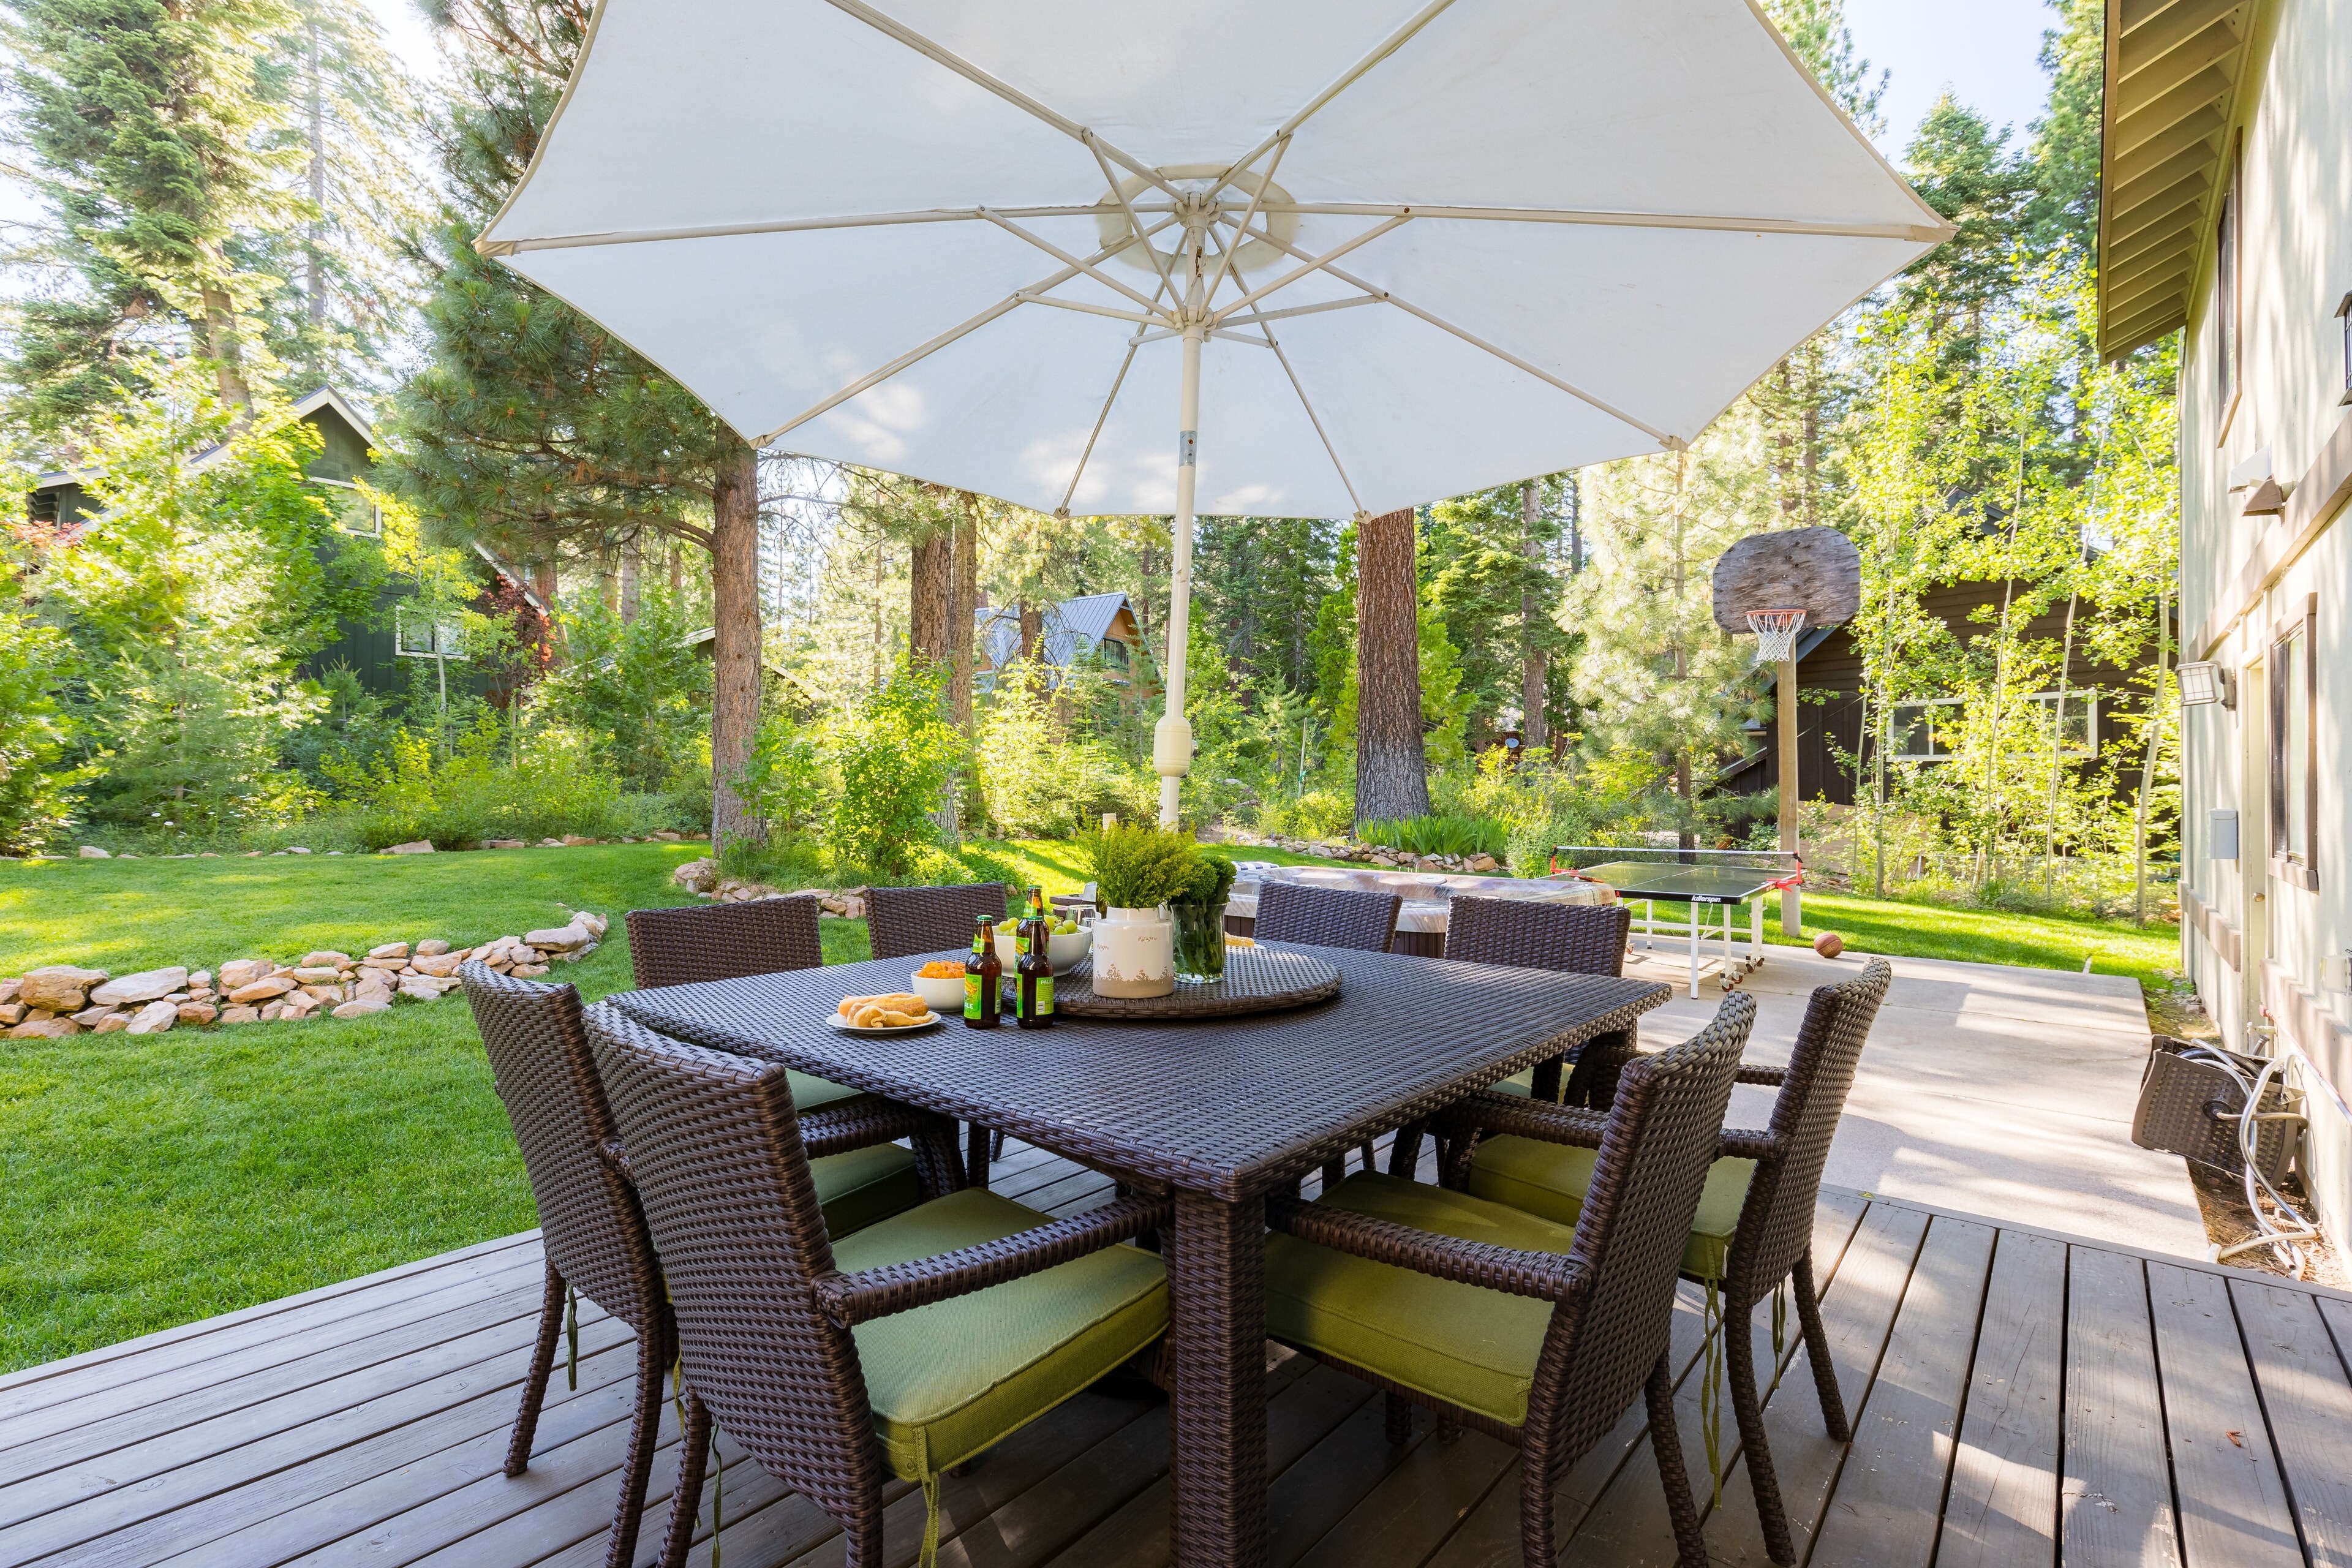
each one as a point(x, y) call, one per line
point(724, 942)
point(1354, 918)
point(1575, 938)
point(795, 1340)
point(591, 1229)
point(903, 921)
point(1536, 1332)
point(1754, 1226)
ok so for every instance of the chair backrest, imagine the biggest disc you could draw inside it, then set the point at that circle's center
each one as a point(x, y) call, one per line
point(1325, 917)
point(715, 1151)
point(1662, 1136)
point(902, 922)
point(724, 942)
point(1776, 1223)
point(595, 1232)
point(1579, 939)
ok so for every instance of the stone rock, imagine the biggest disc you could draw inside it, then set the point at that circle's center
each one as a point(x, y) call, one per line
point(664, 836)
point(560, 938)
point(504, 844)
point(387, 965)
point(389, 950)
point(431, 947)
point(113, 1023)
point(528, 970)
point(8, 989)
point(176, 997)
point(12, 1014)
point(300, 1003)
point(261, 990)
point(422, 987)
point(697, 876)
point(92, 852)
point(296, 849)
point(59, 988)
point(440, 965)
point(200, 979)
point(240, 972)
point(92, 1016)
point(318, 975)
point(361, 1007)
point(1486, 863)
point(853, 908)
point(551, 843)
point(239, 1014)
point(199, 1013)
point(44, 1029)
point(597, 925)
point(415, 847)
point(325, 958)
point(273, 1012)
point(154, 1019)
point(326, 995)
point(572, 841)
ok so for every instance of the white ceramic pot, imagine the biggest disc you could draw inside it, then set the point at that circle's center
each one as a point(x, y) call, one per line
point(1135, 955)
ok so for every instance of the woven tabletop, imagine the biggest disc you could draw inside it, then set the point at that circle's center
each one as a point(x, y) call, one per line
point(1257, 980)
point(1227, 1108)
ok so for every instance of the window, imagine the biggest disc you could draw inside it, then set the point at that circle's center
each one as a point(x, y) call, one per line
point(2294, 763)
point(2226, 318)
point(2078, 720)
point(417, 637)
point(1924, 732)
point(354, 513)
point(1113, 652)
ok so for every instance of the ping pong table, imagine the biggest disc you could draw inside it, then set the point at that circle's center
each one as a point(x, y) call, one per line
point(1701, 882)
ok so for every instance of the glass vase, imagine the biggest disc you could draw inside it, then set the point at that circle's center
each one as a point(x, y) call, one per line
point(1200, 941)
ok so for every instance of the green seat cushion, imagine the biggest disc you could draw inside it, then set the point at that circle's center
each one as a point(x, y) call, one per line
point(865, 1185)
point(1470, 1346)
point(808, 1093)
point(957, 1376)
point(1523, 1086)
point(1550, 1180)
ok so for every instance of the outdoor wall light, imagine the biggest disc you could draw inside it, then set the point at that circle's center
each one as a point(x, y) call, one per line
point(2203, 681)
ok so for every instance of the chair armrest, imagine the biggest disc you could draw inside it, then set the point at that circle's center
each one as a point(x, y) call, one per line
point(616, 1159)
point(1756, 1072)
point(863, 1122)
point(1546, 1275)
point(1748, 1143)
point(850, 1299)
point(1510, 1113)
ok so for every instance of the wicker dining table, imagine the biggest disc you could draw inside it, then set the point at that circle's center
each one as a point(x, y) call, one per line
point(1218, 1111)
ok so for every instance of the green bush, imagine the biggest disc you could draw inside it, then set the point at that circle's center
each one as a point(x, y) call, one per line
point(1318, 813)
point(470, 793)
point(37, 787)
point(893, 753)
point(1438, 836)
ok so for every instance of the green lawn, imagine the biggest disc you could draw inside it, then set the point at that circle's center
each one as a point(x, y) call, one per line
point(154, 1180)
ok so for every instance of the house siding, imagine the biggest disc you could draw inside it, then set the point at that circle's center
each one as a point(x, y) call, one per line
point(2264, 949)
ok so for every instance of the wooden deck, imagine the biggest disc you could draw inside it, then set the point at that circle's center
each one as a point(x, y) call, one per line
point(2019, 1398)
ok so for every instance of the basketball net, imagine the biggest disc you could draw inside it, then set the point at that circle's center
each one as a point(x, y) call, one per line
point(1775, 634)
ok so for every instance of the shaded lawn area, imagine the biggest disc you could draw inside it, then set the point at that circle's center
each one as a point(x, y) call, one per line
point(154, 1180)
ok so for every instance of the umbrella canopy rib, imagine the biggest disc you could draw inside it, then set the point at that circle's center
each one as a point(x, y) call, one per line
point(1320, 264)
point(1226, 253)
point(1063, 256)
point(1345, 80)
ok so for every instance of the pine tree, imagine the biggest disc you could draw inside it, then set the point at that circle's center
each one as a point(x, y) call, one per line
point(154, 144)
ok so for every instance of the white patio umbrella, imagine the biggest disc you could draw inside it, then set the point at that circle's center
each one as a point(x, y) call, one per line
point(1287, 257)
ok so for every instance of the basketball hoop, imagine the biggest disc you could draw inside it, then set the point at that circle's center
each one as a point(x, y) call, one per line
point(1775, 634)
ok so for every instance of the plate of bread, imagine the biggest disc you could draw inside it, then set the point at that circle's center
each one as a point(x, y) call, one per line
point(899, 1013)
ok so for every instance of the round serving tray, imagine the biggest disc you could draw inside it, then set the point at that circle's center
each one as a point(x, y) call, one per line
point(1257, 980)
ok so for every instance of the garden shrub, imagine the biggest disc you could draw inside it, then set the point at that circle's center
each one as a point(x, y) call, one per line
point(892, 753)
point(1318, 813)
point(1044, 770)
point(469, 793)
point(36, 785)
point(1435, 835)
point(636, 688)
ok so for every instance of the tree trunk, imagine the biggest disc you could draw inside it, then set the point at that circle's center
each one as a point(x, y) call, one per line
point(1032, 628)
point(676, 568)
point(962, 601)
point(1685, 839)
point(1532, 657)
point(931, 600)
point(735, 642)
point(543, 584)
point(220, 343)
point(1391, 770)
point(608, 578)
point(633, 572)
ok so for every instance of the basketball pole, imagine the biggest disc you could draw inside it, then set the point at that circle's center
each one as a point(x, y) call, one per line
point(1793, 919)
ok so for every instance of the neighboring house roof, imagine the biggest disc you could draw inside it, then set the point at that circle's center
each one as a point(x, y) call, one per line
point(326, 397)
point(1070, 630)
point(2174, 72)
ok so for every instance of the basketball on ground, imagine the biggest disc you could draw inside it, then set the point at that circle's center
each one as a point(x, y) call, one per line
point(1829, 944)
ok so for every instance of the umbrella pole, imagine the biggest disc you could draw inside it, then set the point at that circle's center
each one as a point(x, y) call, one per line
point(1171, 739)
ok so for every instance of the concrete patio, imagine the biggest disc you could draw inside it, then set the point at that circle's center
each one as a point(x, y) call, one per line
point(1989, 1089)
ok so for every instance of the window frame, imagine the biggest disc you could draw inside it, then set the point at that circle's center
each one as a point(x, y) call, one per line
point(375, 512)
point(1894, 727)
point(400, 640)
point(2296, 867)
point(2088, 752)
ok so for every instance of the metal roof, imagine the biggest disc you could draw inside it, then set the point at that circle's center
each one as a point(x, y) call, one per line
point(2173, 71)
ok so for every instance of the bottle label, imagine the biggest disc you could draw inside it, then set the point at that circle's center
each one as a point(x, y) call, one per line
point(971, 1008)
point(1044, 996)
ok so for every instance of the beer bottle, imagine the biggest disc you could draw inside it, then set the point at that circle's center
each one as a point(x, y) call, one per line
point(983, 976)
point(1034, 993)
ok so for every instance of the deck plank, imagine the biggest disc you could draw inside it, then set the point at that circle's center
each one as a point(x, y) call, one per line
point(2116, 1495)
point(2233, 1509)
point(2300, 1372)
point(2002, 1507)
point(1890, 1493)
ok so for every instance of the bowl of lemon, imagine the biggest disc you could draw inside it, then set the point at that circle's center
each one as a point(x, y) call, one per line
point(1068, 942)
